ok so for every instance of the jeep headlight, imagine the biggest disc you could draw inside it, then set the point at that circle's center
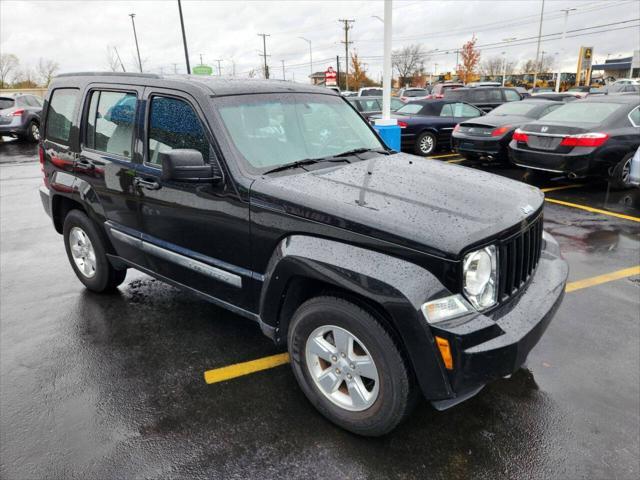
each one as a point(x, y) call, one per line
point(480, 277)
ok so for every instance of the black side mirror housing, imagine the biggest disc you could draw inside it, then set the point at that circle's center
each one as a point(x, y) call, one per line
point(187, 165)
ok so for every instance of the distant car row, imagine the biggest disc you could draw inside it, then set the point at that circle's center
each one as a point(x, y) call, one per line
point(20, 116)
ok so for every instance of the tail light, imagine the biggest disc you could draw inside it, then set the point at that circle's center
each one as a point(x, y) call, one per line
point(18, 113)
point(404, 99)
point(585, 140)
point(403, 124)
point(500, 130)
point(41, 157)
point(520, 136)
point(456, 128)
point(438, 96)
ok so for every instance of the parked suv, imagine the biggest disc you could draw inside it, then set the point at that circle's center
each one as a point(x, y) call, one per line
point(20, 117)
point(485, 98)
point(382, 273)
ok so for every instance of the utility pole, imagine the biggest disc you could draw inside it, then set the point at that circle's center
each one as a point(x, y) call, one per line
point(564, 34)
point(175, 68)
point(184, 40)
point(135, 36)
point(337, 70)
point(201, 63)
point(283, 76)
point(504, 67)
point(264, 53)
point(537, 65)
point(310, 58)
point(346, 42)
point(219, 67)
point(119, 59)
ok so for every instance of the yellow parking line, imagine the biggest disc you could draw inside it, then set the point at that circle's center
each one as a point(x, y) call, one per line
point(445, 156)
point(563, 187)
point(607, 277)
point(245, 368)
point(457, 160)
point(593, 210)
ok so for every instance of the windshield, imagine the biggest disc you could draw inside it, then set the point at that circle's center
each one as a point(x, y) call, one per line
point(276, 129)
point(409, 109)
point(583, 112)
point(514, 108)
point(415, 93)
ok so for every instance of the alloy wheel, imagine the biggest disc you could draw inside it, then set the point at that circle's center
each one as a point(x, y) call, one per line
point(426, 144)
point(35, 131)
point(342, 368)
point(82, 252)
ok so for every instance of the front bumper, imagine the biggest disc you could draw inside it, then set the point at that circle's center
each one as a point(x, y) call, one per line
point(488, 347)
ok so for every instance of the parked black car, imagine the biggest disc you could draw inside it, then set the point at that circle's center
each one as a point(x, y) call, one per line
point(20, 117)
point(381, 272)
point(427, 124)
point(556, 97)
point(369, 106)
point(593, 136)
point(489, 136)
point(485, 98)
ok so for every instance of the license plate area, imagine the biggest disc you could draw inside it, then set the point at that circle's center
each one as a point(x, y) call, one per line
point(543, 143)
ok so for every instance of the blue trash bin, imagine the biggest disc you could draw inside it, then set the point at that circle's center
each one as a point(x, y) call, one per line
point(390, 134)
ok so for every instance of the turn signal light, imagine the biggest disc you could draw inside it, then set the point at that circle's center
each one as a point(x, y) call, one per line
point(585, 140)
point(445, 352)
point(403, 124)
point(500, 130)
point(18, 113)
point(520, 136)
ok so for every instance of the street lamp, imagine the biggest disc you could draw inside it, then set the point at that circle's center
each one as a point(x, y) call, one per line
point(564, 34)
point(310, 58)
point(135, 36)
point(504, 67)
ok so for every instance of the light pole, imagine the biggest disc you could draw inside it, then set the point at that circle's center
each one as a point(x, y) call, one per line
point(135, 36)
point(184, 40)
point(564, 34)
point(386, 63)
point(311, 59)
point(504, 67)
point(219, 67)
point(537, 65)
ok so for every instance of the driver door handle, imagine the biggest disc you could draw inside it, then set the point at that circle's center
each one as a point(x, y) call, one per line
point(148, 184)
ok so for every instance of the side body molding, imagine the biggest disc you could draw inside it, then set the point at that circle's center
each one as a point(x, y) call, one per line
point(398, 286)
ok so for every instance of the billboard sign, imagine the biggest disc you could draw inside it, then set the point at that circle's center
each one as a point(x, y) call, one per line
point(330, 77)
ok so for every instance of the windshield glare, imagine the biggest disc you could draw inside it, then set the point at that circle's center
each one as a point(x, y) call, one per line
point(274, 130)
point(513, 108)
point(583, 112)
point(409, 109)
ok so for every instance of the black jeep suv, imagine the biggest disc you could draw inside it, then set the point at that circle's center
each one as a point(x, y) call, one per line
point(383, 273)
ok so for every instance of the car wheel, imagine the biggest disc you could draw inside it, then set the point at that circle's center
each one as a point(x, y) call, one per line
point(33, 132)
point(620, 175)
point(87, 254)
point(425, 144)
point(349, 366)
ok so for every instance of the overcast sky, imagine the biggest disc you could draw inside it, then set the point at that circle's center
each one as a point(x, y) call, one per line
point(76, 33)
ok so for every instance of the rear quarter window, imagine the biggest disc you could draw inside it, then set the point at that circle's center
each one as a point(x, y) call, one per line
point(62, 109)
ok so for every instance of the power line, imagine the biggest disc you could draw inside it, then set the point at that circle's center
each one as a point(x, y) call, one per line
point(346, 42)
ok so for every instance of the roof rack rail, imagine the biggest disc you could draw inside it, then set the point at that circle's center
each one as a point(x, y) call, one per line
point(109, 74)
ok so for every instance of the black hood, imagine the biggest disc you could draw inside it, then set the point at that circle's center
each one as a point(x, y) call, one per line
point(423, 204)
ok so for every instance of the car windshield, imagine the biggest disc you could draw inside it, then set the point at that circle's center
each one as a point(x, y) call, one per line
point(409, 109)
point(583, 112)
point(271, 130)
point(514, 108)
point(6, 103)
point(415, 93)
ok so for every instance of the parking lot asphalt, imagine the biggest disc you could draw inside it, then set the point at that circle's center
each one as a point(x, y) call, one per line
point(112, 386)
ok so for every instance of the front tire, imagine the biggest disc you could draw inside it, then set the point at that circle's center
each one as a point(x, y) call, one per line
point(349, 366)
point(425, 144)
point(620, 175)
point(87, 254)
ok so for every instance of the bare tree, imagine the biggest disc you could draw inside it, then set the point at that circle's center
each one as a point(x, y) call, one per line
point(546, 65)
point(46, 70)
point(408, 61)
point(8, 63)
point(25, 78)
point(113, 63)
point(494, 66)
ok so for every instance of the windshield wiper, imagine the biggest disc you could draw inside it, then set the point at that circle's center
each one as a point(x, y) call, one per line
point(306, 161)
point(361, 150)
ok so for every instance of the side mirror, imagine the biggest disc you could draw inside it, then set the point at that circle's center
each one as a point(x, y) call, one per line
point(186, 165)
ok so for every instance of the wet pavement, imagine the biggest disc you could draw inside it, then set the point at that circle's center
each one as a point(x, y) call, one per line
point(111, 386)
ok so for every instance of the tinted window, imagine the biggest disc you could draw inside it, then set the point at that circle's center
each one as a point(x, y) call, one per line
point(583, 112)
point(369, 106)
point(512, 96)
point(452, 94)
point(371, 92)
point(174, 124)
point(415, 93)
point(110, 122)
point(634, 116)
point(6, 103)
point(516, 108)
point(410, 108)
point(485, 95)
point(60, 116)
point(272, 130)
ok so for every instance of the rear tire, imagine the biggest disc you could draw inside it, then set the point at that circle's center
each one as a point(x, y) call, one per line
point(370, 389)
point(87, 254)
point(620, 175)
point(425, 144)
point(33, 132)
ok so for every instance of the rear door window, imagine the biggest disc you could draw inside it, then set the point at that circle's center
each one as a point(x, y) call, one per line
point(465, 111)
point(62, 109)
point(512, 96)
point(174, 124)
point(447, 110)
point(110, 122)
